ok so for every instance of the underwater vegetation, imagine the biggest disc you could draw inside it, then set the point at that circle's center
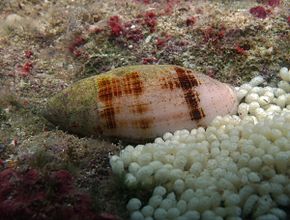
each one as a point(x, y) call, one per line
point(32, 195)
point(25, 195)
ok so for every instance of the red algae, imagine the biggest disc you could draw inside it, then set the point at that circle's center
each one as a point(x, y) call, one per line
point(55, 195)
point(150, 19)
point(133, 31)
point(211, 34)
point(190, 21)
point(135, 35)
point(144, 1)
point(75, 44)
point(170, 6)
point(28, 53)
point(239, 49)
point(149, 60)
point(161, 42)
point(26, 68)
point(274, 3)
point(115, 26)
point(259, 12)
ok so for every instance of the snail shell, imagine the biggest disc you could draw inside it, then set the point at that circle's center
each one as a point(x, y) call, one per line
point(138, 103)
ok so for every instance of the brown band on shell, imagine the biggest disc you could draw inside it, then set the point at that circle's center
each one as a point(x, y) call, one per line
point(116, 87)
point(187, 82)
point(109, 115)
point(139, 108)
point(105, 95)
point(132, 84)
point(98, 130)
point(109, 88)
point(192, 100)
point(168, 83)
point(144, 123)
point(186, 78)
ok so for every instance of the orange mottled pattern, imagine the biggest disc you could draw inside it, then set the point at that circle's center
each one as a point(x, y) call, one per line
point(132, 85)
point(186, 80)
point(129, 84)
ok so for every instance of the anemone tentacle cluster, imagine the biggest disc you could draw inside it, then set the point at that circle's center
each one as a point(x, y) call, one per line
point(236, 168)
